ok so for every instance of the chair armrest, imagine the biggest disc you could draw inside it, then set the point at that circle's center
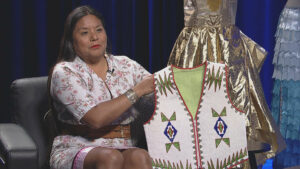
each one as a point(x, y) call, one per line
point(17, 148)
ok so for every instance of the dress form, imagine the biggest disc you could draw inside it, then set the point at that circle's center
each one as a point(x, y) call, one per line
point(210, 35)
point(286, 89)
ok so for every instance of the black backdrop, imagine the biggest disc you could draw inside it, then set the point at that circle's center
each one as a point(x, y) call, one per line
point(144, 30)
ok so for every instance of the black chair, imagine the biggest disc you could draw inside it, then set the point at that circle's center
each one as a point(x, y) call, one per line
point(24, 143)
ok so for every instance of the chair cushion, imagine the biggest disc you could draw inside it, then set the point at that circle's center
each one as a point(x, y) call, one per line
point(17, 148)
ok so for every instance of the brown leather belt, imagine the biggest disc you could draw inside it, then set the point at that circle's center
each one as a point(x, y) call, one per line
point(113, 131)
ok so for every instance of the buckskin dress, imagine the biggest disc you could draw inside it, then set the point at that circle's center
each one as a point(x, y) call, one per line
point(210, 35)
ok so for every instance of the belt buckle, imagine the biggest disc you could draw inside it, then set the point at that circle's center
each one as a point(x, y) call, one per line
point(122, 133)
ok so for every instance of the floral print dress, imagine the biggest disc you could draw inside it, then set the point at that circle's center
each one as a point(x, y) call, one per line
point(76, 88)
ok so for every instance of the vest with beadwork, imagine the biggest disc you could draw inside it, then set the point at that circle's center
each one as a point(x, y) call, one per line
point(194, 124)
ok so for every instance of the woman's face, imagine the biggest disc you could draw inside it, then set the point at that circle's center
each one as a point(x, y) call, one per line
point(89, 38)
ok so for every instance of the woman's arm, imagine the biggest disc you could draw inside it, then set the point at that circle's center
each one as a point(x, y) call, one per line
point(72, 89)
point(106, 112)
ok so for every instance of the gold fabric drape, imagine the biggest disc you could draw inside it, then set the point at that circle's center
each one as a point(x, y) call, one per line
point(212, 37)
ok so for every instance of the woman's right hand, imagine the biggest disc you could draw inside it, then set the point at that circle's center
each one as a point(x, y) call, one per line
point(144, 87)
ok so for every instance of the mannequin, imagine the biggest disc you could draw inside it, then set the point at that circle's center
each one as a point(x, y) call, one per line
point(210, 35)
point(286, 90)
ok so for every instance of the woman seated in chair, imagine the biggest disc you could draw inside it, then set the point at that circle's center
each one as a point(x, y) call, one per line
point(92, 93)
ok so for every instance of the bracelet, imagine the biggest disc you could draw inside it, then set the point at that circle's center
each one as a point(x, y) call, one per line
point(131, 96)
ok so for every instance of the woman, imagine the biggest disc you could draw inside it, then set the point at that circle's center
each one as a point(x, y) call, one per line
point(92, 93)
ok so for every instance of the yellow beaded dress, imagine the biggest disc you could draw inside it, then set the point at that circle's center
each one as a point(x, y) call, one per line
point(210, 34)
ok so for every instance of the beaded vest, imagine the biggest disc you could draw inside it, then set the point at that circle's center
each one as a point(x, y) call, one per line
point(194, 124)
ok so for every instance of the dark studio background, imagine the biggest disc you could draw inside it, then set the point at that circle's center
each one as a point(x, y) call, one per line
point(144, 30)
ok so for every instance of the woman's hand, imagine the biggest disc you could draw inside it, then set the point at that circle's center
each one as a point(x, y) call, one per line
point(144, 87)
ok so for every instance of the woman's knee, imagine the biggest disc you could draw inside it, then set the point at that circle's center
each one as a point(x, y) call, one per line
point(106, 158)
point(113, 156)
point(137, 157)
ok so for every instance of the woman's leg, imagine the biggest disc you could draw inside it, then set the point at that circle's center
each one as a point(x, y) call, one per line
point(103, 158)
point(136, 158)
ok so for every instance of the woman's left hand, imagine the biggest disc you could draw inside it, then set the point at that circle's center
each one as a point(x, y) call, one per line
point(144, 87)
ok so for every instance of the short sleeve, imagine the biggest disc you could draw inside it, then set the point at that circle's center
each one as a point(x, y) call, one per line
point(258, 53)
point(70, 90)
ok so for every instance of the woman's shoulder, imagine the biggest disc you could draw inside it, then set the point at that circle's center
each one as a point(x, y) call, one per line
point(68, 69)
point(120, 58)
point(61, 66)
point(67, 65)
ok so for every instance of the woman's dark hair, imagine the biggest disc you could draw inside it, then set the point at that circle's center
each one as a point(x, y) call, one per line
point(66, 51)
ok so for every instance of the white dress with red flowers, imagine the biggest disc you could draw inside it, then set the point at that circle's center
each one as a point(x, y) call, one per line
point(76, 88)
